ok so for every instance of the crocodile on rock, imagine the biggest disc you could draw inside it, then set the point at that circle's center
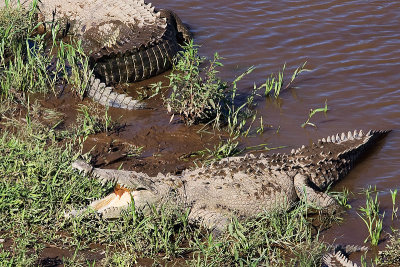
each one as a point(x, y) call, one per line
point(239, 186)
point(126, 41)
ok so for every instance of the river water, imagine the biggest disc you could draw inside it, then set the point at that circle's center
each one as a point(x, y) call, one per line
point(353, 51)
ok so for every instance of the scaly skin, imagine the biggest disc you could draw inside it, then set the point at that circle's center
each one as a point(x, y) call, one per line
point(244, 186)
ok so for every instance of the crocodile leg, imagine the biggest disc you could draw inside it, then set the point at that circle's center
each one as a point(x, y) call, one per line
point(212, 219)
point(303, 190)
point(108, 97)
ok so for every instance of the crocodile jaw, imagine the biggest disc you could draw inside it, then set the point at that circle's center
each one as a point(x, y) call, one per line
point(112, 205)
point(121, 198)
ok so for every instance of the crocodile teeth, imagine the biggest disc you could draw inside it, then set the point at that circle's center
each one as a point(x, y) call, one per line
point(369, 133)
point(338, 138)
point(303, 147)
point(355, 134)
point(350, 136)
point(343, 137)
point(328, 139)
point(293, 151)
point(333, 139)
point(323, 140)
point(361, 133)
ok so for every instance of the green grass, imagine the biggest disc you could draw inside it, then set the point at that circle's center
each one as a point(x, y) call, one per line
point(371, 216)
point(23, 62)
point(313, 112)
point(341, 197)
point(196, 91)
point(91, 120)
point(394, 208)
point(26, 57)
point(275, 83)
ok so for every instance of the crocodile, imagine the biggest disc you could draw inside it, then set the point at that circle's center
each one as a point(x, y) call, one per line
point(239, 186)
point(125, 40)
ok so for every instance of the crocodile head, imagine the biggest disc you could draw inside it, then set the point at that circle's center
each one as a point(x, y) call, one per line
point(129, 186)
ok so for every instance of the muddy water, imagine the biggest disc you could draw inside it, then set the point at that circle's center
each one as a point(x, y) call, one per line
point(353, 51)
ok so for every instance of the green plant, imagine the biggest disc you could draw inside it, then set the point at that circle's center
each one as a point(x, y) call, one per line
point(371, 217)
point(198, 95)
point(196, 91)
point(134, 151)
point(73, 64)
point(313, 112)
point(90, 120)
point(224, 149)
point(275, 82)
point(341, 197)
point(394, 208)
point(23, 61)
point(27, 61)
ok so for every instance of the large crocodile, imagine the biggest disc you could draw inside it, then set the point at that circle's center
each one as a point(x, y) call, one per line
point(126, 41)
point(243, 186)
point(240, 186)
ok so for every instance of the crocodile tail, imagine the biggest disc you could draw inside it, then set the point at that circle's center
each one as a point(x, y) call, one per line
point(333, 157)
point(106, 96)
point(137, 65)
point(339, 257)
point(357, 143)
point(183, 33)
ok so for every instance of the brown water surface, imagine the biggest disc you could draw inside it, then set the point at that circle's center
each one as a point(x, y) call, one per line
point(353, 49)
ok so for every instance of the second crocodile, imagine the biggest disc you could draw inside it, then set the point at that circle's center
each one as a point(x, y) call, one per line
point(126, 41)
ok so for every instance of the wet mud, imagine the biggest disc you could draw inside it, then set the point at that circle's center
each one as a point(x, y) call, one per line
point(353, 51)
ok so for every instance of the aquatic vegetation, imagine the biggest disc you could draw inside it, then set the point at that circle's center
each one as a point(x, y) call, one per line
point(198, 95)
point(313, 112)
point(371, 217)
point(394, 208)
point(275, 82)
point(196, 91)
point(342, 197)
point(225, 148)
